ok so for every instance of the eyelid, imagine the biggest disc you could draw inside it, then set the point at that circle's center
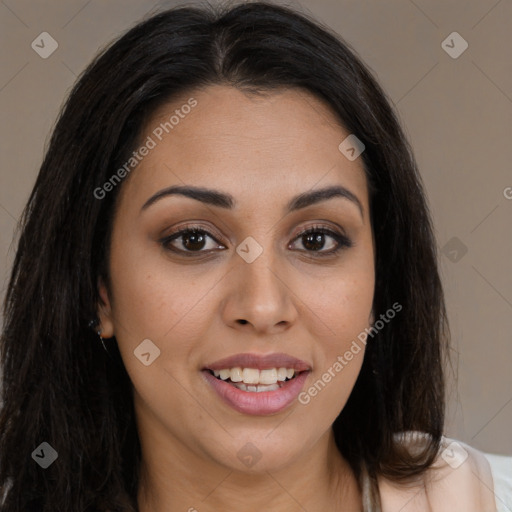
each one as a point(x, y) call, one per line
point(321, 224)
point(196, 226)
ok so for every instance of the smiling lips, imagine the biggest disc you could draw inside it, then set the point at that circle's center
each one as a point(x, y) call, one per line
point(254, 384)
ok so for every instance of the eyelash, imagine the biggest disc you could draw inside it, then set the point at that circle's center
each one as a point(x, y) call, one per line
point(342, 240)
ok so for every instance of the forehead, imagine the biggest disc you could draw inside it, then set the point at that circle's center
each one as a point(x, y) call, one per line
point(283, 140)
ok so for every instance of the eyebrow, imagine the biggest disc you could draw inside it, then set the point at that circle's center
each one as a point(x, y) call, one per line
point(227, 201)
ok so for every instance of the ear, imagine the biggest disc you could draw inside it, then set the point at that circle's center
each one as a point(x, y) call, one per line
point(372, 318)
point(105, 311)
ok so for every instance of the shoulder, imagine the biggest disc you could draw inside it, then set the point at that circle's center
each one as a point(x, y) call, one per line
point(501, 468)
point(459, 479)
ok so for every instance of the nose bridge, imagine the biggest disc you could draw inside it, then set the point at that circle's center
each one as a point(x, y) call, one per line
point(259, 294)
point(260, 276)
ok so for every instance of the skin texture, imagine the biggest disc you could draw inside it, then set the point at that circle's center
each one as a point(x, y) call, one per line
point(263, 151)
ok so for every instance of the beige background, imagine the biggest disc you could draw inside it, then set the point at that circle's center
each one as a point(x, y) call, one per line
point(457, 113)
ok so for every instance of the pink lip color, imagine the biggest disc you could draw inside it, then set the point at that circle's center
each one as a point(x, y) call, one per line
point(266, 402)
point(261, 362)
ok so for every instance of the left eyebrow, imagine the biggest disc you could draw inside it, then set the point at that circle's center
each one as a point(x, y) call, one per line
point(227, 201)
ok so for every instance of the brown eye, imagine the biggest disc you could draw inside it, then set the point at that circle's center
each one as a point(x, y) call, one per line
point(191, 240)
point(315, 239)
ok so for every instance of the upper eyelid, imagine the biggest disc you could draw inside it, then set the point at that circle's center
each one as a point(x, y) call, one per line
point(208, 231)
point(186, 229)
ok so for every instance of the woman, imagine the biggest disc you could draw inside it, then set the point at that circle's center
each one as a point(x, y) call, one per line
point(225, 295)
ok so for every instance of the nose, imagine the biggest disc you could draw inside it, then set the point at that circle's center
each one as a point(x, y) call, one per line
point(259, 298)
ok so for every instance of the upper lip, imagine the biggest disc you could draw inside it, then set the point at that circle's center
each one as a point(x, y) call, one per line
point(260, 362)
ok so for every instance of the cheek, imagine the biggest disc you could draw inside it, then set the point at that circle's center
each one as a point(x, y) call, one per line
point(345, 314)
point(154, 296)
point(343, 304)
point(343, 309)
point(156, 300)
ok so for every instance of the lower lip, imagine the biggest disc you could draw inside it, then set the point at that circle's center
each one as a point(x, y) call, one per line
point(266, 402)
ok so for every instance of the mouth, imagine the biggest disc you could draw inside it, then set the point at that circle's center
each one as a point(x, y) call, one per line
point(253, 380)
point(256, 385)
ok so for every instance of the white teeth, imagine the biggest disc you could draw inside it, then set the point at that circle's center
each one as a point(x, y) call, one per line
point(256, 389)
point(250, 375)
point(236, 374)
point(268, 376)
point(272, 387)
point(253, 376)
point(281, 374)
point(224, 374)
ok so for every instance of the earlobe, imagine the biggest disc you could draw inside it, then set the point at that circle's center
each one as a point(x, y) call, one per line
point(105, 311)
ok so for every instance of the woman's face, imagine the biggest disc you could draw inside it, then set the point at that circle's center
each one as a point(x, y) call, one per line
point(248, 286)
